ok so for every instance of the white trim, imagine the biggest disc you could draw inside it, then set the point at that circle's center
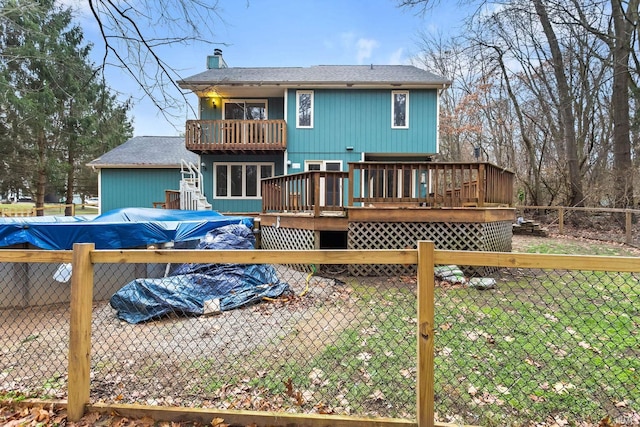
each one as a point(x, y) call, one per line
point(244, 178)
point(286, 103)
point(304, 92)
point(99, 191)
point(406, 117)
point(438, 120)
point(285, 165)
point(322, 163)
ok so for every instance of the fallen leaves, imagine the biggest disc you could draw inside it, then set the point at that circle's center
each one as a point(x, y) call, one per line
point(27, 416)
point(562, 387)
point(377, 395)
point(14, 415)
point(485, 398)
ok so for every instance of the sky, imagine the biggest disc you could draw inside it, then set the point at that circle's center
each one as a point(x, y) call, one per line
point(268, 33)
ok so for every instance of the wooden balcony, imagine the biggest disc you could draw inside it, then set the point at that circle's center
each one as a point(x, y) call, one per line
point(236, 136)
point(387, 185)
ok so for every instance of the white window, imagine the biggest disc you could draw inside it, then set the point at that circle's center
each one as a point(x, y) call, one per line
point(304, 108)
point(240, 180)
point(400, 109)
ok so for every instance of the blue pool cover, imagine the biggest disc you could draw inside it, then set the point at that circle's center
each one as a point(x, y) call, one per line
point(117, 229)
point(190, 287)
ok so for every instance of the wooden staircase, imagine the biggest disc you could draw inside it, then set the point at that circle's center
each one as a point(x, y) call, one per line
point(191, 197)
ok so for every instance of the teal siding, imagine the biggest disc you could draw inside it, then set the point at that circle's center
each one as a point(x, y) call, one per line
point(235, 205)
point(207, 112)
point(139, 188)
point(362, 119)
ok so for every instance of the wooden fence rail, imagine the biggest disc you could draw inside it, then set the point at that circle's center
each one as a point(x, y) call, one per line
point(27, 211)
point(628, 216)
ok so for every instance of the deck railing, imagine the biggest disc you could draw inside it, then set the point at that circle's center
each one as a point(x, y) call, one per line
point(382, 184)
point(171, 199)
point(314, 191)
point(210, 136)
point(431, 184)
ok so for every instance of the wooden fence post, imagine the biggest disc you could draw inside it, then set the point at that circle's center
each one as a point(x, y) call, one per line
point(627, 227)
point(80, 330)
point(561, 220)
point(425, 377)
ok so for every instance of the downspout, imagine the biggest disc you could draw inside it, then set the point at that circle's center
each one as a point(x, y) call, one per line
point(285, 165)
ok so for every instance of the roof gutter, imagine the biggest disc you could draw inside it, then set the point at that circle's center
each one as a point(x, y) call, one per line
point(204, 86)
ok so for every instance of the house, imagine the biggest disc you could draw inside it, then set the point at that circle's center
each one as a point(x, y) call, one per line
point(328, 156)
point(139, 172)
point(257, 123)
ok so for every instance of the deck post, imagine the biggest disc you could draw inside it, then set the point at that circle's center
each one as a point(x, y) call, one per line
point(80, 330)
point(482, 184)
point(351, 189)
point(316, 195)
point(425, 377)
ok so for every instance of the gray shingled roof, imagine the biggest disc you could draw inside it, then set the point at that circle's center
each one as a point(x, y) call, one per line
point(147, 151)
point(319, 74)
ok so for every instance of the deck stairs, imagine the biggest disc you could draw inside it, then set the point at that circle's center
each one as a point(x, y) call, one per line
point(191, 196)
point(528, 227)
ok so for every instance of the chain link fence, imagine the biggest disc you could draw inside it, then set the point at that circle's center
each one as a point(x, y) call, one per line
point(524, 346)
point(34, 330)
point(326, 345)
point(540, 346)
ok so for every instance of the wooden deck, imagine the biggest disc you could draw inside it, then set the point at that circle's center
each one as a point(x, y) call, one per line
point(390, 192)
point(308, 221)
point(377, 205)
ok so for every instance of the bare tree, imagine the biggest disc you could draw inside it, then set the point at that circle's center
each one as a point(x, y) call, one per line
point(567, 69)
point(134, 34)
point(567, 117)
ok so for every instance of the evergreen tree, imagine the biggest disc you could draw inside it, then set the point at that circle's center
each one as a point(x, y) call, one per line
point(59, 114)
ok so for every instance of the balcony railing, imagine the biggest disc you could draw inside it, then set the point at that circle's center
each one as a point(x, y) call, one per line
point(382, 184)
point(430, 184)
point(313, 191)
point(236, 136)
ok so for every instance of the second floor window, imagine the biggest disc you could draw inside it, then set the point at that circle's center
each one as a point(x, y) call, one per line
point(304, 108)
point(400, 109)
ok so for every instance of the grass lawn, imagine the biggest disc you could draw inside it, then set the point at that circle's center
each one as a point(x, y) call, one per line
point(544, 346)
point(562, 345)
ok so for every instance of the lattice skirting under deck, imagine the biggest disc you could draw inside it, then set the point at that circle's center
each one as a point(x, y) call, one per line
point(492, 236)
point(279, 238)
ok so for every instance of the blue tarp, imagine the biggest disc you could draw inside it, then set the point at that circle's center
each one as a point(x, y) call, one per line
point(117, 229)
point(190, 286)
